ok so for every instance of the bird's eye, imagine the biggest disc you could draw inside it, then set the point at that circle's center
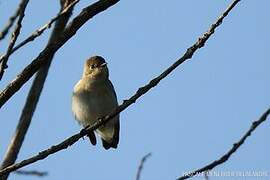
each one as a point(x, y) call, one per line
point(92, 66)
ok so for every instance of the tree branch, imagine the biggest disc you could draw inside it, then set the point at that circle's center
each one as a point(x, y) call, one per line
point(32, 98)
point(39, 31)
point(236, 145)
point(10, 22)
point(86, 14)
point(31, 173)
point(138, 175)
point(15, 34)
point(140, 92)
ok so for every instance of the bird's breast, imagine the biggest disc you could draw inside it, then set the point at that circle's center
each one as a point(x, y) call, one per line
point(91, 104)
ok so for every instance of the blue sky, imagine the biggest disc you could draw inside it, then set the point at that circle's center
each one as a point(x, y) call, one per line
point(190, 119)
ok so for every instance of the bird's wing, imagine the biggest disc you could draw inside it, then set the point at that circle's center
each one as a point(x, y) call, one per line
point(111, 87)
point(115, 140)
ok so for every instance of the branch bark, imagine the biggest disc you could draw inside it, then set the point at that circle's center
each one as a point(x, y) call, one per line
point(39, 31)
point(86, 14)
point(31, 173)
point(10, 22)
point(33, 98)
point(236, 145)
point(14, 36)
point(138, 175)
point(140, 92)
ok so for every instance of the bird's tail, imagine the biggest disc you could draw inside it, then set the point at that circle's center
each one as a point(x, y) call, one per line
point(107, 145)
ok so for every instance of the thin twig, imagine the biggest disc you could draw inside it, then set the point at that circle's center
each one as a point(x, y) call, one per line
point(39, 31)
point(141, 91)
point(10, 22)
point(86, 14)
point(31, 173)
point(15, 34)
point(138, 175)
point(32, 98)
point(236, 145)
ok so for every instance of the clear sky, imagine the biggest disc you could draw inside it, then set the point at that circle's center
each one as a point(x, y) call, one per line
point(190, 119)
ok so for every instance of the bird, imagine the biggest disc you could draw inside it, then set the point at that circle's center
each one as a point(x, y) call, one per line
point(94, 97)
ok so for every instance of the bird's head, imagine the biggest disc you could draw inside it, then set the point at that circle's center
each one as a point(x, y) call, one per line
point(96, 68)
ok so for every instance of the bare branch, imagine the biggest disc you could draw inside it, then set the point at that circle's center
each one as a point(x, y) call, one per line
point(31, 173)
point(236, 145)
point(39, 31)
point(15, 34)
point(32, 99)
point(86, 14)
point(10, 22)
point(141, 91)
point(141, 165)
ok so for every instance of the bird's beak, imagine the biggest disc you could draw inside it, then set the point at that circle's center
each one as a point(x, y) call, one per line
point(103, 64)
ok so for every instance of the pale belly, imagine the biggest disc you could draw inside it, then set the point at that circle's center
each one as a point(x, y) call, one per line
point(87, 108)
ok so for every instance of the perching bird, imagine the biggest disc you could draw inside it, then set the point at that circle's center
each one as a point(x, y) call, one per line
point(94, 97)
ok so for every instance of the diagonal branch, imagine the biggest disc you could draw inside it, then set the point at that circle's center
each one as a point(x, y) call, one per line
point(39, 31)
point(15, 34)
point(138, 175)
point(10, 22)
point(32, 99)
point(140, 92)
point(31, 173)
point(86, 14)
point(236, 145)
